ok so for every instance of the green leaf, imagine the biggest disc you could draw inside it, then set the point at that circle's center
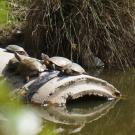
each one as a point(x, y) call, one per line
point(3, 13)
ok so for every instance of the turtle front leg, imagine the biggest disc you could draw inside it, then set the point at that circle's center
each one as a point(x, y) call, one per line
point(53, 66)
point(27, 78)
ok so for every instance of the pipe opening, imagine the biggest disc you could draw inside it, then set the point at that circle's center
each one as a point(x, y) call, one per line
point(85, 99)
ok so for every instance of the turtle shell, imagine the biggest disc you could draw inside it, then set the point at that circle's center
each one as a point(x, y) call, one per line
point(16, 48)
point(30, 63)
point(60, 61)
point(33, 64)
point(12, 64)
point(77, 68)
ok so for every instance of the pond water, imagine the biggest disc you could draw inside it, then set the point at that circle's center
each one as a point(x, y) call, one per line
point(117, 118)
point(97, 118)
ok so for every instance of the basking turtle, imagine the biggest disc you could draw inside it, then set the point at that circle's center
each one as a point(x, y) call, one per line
point(16, 48)
point(55, 62)
point(13, 63)
point(28, 66)
point(73, 69)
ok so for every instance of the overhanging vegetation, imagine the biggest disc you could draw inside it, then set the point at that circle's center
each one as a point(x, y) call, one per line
point(79, 29)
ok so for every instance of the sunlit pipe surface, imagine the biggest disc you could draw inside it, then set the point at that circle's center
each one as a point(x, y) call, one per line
point(57, 90)
point(51, 88)
point(4, 59)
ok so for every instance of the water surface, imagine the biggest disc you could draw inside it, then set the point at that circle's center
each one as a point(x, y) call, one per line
point(120, 118)
point(96, 118)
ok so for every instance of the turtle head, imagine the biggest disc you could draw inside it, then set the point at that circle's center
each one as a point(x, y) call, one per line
point(17, 56)
point(45, 58)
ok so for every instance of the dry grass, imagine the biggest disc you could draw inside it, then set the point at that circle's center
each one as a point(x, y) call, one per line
point(12, 18)
point(79, 29)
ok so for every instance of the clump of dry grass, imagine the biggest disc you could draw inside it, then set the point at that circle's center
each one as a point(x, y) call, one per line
point(12, 18)
point(79, 29)
point(18, 10)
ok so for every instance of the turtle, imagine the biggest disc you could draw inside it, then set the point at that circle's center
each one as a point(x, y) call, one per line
point(73, 69)
point(56, 62)
point(16, 48)
point(28, 66)
point(13, 63)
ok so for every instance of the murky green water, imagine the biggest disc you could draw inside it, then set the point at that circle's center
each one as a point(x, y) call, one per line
point(116, 119)
point(97, 118)
point(121, 119)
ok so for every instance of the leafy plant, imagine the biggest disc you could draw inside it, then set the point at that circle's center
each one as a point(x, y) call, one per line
point(4, 10)
point(17, 118)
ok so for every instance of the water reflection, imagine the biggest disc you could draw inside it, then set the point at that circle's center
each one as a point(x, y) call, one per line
point(75, 117)
point(120, 120)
